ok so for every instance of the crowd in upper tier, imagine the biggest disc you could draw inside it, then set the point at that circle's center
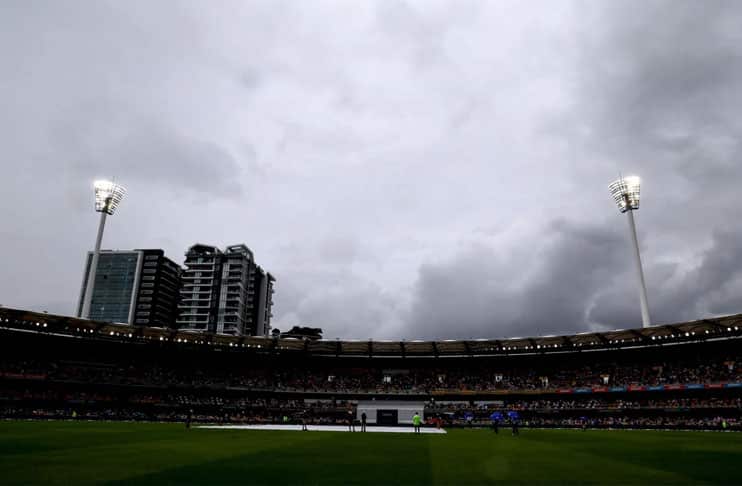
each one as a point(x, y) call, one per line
point(378, 380)
point(483, 408)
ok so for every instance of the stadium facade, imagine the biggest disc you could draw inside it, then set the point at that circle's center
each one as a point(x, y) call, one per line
point(133, 287)
point(225, 292)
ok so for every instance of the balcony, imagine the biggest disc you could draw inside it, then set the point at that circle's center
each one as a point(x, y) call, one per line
point(189, 276)
point(196, 302)
point(195, 262)
point(190, 306)
point(191, 284)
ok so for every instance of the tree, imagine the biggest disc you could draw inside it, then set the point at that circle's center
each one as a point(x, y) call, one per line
point(303, 332)
point(275, 332)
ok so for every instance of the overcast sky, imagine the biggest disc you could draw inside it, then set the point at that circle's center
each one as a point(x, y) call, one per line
point(429, 169)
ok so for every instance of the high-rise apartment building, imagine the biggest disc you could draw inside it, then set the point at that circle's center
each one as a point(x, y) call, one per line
point(225, 292)
point(133, 287)
point(264, 285)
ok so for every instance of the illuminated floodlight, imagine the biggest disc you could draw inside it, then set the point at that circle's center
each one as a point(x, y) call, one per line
point(626, 192)
point(108, 195)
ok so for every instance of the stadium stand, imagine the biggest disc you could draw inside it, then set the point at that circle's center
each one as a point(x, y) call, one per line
point(685, 375)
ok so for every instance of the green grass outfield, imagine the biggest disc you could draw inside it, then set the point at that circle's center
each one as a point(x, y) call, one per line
point(131, 453)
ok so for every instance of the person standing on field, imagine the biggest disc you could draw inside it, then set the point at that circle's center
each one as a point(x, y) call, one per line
point(416, 421)
point(495, 418)
point(363, 422)
point(469, 419)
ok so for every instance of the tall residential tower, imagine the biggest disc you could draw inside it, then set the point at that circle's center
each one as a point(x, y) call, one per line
point(225, 292)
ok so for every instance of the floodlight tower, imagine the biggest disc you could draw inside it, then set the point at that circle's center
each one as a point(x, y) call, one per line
point(625, 192)
point(108, 195)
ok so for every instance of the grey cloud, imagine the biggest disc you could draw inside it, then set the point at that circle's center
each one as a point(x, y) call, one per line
point(340, 249)
point(406, 169)
point(95, 95)
point(482, 294)
point(152, 154)
point(345, 305)
point(420, 33)
point(582, 279)
point(712, 287)
point(663, 85)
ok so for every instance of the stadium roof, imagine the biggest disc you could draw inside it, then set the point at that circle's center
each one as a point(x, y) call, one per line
point(701, 330)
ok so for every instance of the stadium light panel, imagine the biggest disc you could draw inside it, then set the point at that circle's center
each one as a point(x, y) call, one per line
point(108, 195)
point(626, 191)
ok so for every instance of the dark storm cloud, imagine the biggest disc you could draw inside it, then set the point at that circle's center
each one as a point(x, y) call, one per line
point(484, 293)
point(712, 286)
point(578, 279)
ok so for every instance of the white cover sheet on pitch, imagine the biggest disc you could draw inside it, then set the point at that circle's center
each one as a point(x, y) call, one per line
point(323, 428)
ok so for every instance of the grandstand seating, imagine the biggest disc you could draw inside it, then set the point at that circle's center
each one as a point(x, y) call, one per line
point(684, 375)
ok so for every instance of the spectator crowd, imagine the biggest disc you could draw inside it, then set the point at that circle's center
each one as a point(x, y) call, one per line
point(83, 381)
point(380, 380)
